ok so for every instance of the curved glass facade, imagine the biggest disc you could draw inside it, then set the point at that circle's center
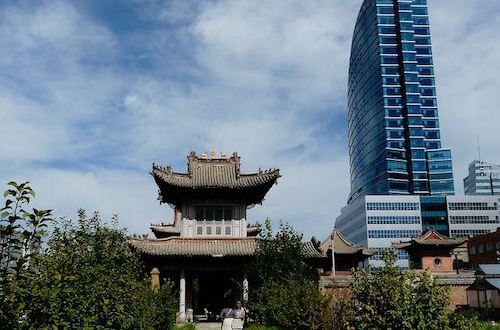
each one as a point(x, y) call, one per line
point(394, 137)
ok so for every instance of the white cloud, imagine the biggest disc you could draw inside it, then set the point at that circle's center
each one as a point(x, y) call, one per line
point(466, 63)
point(97, 107)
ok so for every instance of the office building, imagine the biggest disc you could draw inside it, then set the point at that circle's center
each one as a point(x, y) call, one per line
point(483, 179)
point(378, 221)
point(394, 137)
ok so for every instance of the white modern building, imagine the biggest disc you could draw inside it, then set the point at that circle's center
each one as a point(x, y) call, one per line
point(472, 215)
point(483, 179)
point(378, 221)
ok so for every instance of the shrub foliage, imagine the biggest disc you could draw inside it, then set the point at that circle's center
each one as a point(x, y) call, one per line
point(284, 288)
point(85, 276)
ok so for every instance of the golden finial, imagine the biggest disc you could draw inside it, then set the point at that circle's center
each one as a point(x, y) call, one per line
point(213, 153)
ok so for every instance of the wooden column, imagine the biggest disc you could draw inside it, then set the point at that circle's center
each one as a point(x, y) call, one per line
point(155, 278)
point(245, 290)
point(182, 296)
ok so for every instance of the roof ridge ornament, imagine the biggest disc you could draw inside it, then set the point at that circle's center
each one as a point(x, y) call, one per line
point(236, 160)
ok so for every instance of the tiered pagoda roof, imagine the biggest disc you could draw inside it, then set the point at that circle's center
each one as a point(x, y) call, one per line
point(208, 247)
point(209, 176)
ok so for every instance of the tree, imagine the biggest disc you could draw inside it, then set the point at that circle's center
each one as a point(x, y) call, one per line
point(21, 231)
point(89, 278)
point(389, 298)
point(284, 288)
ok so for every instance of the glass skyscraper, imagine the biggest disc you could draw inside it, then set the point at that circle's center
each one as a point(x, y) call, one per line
point(394, 138)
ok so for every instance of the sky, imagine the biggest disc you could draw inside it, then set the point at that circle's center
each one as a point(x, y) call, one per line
point(93, 92)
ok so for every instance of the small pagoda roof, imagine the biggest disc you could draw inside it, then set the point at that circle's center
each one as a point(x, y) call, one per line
point(208, 247)
point(206, 174)
point(431, 239)
point(343, 246)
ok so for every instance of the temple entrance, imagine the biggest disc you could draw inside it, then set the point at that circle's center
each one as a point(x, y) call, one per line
point(211, 291)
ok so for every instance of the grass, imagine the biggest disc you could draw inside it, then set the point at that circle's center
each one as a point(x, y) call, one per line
point(187, 326)
point(260, 327)
point(489, 326)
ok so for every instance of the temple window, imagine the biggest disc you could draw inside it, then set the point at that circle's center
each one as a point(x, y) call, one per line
point(227, 231)
point(214, 213)
point(218, 230)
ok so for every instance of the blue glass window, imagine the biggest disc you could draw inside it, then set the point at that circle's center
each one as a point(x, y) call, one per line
point(386, 19)
point(422, 31)
point(423, 50)
point(385, 10)
point(424, 60)
point(419, 166)
point(428, 71)
point(430, 112)
point(440, 166)
point(429, 102)
point(413, 88)
point(390, 60)
point(439, 154)
point(428, 91)
point(417, 143)
point(413, 109)
point(388, 40)
point(421, 20)
point(422, 40)
point(405, 17)
point(418, 154)
point(414, 120)
point(419, 11)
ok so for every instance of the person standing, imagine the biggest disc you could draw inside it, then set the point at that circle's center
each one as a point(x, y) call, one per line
point(233, 318)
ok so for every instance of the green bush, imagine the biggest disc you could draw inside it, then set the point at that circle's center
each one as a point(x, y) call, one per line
point(284, 288)
point(463, 319)
point(260, 327)
point(21, 231)
point(88, 277)
point(391, 299)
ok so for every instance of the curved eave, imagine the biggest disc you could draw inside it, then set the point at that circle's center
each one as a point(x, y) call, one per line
point(244, 181)
point(252, 192)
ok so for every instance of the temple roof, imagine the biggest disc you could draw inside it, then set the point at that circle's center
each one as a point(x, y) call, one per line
point(431, 239)
point(342, 245)
point(205, 174)
point(207, 247)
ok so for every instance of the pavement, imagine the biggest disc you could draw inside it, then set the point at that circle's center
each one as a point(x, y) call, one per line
point(208, 326)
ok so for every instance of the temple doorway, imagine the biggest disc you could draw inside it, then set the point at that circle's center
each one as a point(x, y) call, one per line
point(211, 291)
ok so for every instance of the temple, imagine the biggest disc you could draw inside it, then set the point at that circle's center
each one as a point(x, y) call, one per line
point(431, 251)
point(209, 246)
point(347, 255)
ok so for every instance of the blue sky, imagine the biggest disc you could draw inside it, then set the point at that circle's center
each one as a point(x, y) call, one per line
point(93, 92)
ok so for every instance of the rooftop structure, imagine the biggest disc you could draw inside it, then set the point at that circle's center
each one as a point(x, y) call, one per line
point(347, 255)
point(207, 177)
point(485, 291)
point(431, 251)
point(483, 179)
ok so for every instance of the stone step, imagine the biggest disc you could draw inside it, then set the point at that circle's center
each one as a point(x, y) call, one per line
point(208, 326)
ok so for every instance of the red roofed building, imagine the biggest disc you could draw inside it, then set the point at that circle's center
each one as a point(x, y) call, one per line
point(431, 251)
